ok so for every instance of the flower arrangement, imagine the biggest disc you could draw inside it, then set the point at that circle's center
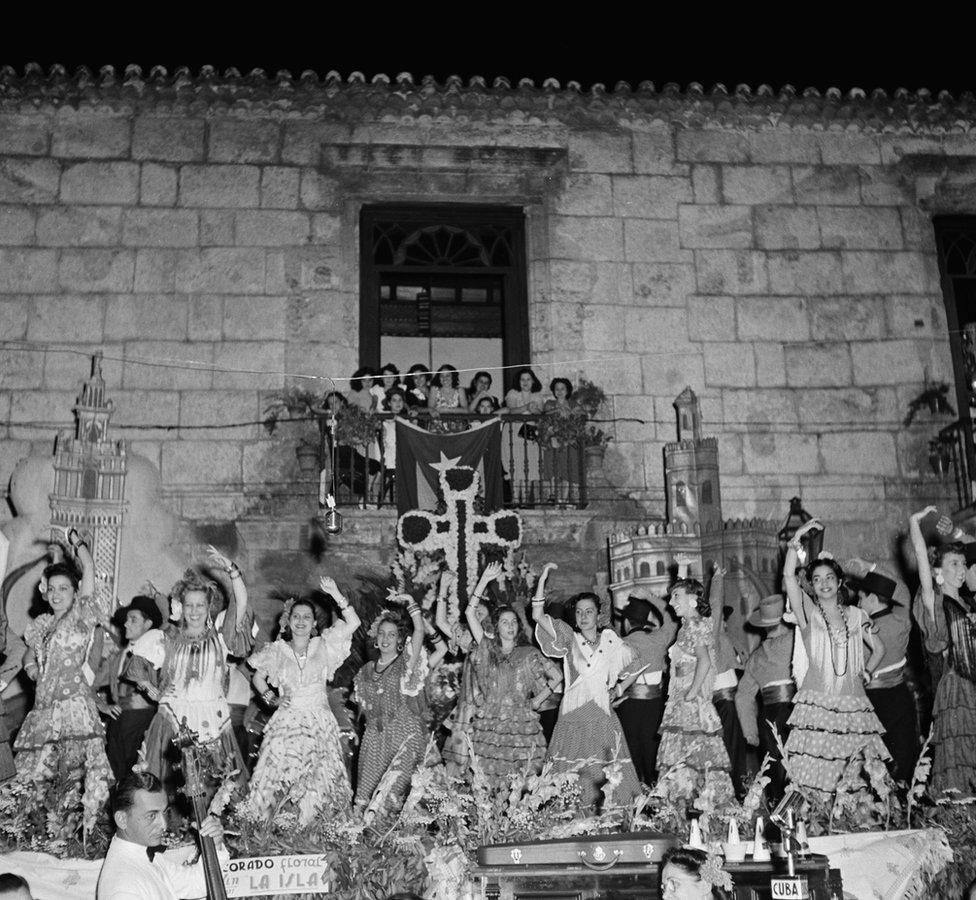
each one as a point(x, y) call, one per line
point(590, 397)
point(356, 427)
point(573, 424)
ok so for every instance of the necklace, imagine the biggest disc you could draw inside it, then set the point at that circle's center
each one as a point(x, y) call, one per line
point(301, 659)
point(838, 641)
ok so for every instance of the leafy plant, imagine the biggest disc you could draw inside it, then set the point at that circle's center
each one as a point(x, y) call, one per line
point(590, 398)
point(356, 427)
point(290, 403)
point(935, 398)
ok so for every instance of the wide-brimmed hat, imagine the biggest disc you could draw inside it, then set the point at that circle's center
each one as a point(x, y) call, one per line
point(143, 604)
point(640, 612)
point(769, 612)
point(880, 585)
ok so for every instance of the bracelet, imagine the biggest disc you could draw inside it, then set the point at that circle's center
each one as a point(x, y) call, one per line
point(541, 602)
point(435, 638)
point(794, 545)
point(234, 573)
point(268, 695)
point(477, 597)
point(342, 603)
point(412, 607)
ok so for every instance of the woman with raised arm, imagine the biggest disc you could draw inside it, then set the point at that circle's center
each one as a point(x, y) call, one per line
point(691, 730)
point(196, 671)
point(510, 683)
point(390, 694)
point(64, 647)
point(947, 622)
point(832, 719)
point(587, 736)
point(302, 766)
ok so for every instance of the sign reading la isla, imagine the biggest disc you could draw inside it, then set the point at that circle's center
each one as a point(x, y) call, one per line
point(257, 875)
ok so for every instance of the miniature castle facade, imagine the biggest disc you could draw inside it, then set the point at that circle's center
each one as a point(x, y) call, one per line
point(643, 562)
point(89, 479)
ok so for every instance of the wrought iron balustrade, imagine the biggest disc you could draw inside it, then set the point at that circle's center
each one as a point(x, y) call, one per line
point(952, 455)
point(536, 474)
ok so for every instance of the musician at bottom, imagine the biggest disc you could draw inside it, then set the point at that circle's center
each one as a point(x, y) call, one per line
point(135, 866)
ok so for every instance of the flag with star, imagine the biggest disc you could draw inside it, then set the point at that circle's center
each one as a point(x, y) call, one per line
point(421, 456)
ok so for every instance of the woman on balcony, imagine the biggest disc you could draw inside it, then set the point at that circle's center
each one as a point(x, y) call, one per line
point(196, 670)
point(417, 385)
point(947, 622)
point(832, 720)
point(522, 459)
point(446, 400)
point(480, 389)
point(302, 763)
point(560, 457)
point(588, 737)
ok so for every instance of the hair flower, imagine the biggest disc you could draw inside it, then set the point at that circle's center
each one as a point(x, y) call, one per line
point(825, 554)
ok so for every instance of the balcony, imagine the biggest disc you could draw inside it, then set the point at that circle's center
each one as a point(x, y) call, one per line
point(537, 474)
point(953, 456)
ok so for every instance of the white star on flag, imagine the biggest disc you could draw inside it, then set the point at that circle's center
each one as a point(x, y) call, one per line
point(445, 463)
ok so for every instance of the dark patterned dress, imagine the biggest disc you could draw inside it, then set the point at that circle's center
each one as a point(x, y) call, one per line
point(954, 712)
point(832, 719)
point(588, 733)
point(391, 700)
point(63, 728)
point(691, 731)
point(505, 731)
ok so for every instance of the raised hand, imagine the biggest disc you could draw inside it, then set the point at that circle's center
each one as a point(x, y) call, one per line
point(812, 525)
point(491, 572)
point(217, 559)
point(327, 584)
point(922, 513)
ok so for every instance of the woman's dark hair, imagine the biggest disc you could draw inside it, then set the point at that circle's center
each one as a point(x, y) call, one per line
point(356, 382)
point(455, 378)
point(495, 405)
point(565, 381)
point(124, 796)
point(575, 600)
point(939, 553)
point(11, 883)
point(65, 569)
point(694, 587)
point(415, 369)
point(394, 392)
point(472, 388)
point(516, 382)
point(831, 564)
point(389, 369)
point(342, 399)
point(286, 634)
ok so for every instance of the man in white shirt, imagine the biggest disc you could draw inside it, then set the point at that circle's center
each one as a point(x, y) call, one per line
point(133, 869)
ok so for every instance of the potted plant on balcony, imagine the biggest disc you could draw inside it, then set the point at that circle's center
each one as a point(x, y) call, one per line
point(590, 397)
point(295, 404)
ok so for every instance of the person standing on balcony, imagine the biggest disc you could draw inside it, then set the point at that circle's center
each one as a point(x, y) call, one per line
point(418, 385)
point(361, 388)
point(947, 623)
point(524, 399)
point(480, 389)
point(446, 399)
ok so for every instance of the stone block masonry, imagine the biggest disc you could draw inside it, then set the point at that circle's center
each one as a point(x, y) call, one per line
point(787, 273)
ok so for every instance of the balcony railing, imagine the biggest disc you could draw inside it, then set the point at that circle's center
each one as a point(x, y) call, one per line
point(952, 455)
point(535, 474)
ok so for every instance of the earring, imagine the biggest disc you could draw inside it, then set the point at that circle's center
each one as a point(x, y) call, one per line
point(376, 644)
point(314, 630)
point(399, 646)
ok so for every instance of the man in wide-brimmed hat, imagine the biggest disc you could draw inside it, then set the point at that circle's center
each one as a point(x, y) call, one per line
point(650, 629)
point(136, 667)
point(768, 673)
point(886, 602)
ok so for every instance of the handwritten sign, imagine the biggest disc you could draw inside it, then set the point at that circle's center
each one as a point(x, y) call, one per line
point(257, 875)
point(794, 888)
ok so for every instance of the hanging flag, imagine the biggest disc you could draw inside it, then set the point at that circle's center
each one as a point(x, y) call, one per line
point(421, 455)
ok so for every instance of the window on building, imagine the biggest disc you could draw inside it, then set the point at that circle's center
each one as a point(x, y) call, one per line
point(661, 569)
point(443, 284)
point(645, 570)
point(956, 242)
point(706, 494)
point(680, 495)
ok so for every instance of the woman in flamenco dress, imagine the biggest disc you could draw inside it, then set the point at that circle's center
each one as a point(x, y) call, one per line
point(833, 719)
point(588, 737)
point(390, 694)
point(302, 766)
point(510, 681)
point(196, 673)
point(691, 731)
point(64, 649)
point(948, 624)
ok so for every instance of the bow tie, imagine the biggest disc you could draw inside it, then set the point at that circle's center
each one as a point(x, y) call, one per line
point(152, 851)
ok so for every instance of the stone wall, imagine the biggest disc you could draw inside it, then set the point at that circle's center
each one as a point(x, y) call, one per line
point(788, 275)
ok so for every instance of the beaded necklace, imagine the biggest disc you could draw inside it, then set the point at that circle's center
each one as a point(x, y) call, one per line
point(838, 641)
